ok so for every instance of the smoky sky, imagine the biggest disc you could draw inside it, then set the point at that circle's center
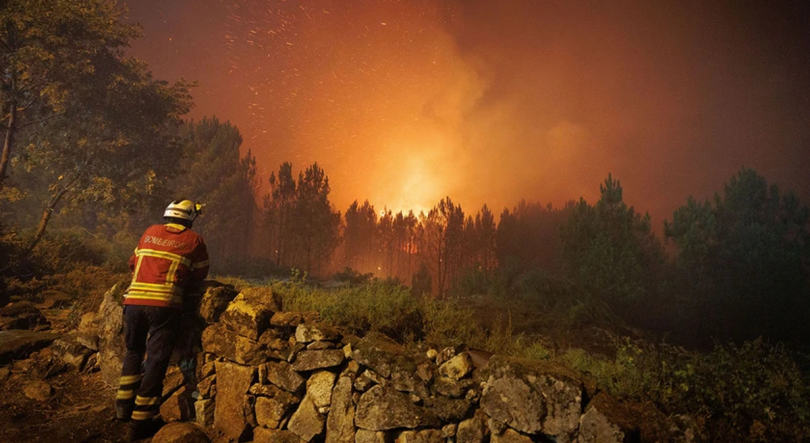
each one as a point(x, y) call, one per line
point(404, 102)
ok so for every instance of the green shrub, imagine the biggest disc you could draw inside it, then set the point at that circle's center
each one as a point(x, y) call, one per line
point(754, 392)
point(376, 306)
point(390, 308)
point(447, 323)
point(475, 281)
point(349, 275)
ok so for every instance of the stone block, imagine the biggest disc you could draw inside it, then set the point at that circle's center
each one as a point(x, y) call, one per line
point(310, 332)
point(457, 367)
point(311, 360)
point(263, 435)
point(204, 412)
point(340, 422)
point(319, 388)
point(306, 421)
point(366, 436)
point(214, 302)
point(381, 409)
point(233, 382)
point(284, 376)
point(606, 421)
point(533, 396)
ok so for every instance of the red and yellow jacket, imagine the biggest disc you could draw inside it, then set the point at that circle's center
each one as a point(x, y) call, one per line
point(167, 259)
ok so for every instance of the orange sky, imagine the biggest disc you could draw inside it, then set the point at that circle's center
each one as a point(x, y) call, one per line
point(403, 102)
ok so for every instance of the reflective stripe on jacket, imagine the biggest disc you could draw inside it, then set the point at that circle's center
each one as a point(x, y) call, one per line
point(167, 259)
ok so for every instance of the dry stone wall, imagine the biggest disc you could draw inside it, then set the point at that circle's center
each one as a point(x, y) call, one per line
point(270, 376)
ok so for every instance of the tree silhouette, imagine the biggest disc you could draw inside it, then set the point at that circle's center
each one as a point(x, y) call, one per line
point(742, 261)
point(610, 250)
point(314, 225)
point(278, 209)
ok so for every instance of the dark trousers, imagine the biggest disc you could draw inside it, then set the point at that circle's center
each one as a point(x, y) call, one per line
point(139, 392)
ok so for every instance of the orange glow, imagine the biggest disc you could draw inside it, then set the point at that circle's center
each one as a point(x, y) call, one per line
point(403, 103)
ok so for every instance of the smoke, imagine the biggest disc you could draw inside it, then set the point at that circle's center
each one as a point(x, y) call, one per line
point(404, 102)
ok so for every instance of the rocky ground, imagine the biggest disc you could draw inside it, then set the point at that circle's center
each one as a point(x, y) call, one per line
point(43, 398)
point(66, 407)
point(258, 373)
point(51, 389)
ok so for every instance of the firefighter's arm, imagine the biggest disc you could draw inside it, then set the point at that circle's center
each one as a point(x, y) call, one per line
point(200, 263)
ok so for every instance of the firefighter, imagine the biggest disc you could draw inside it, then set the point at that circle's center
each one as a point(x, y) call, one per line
point(169, 258)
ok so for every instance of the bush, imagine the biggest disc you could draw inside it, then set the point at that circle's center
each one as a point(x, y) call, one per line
point(475, 281)
point(390, 308)
point(349, 275)
point(375, 306)
point(754, 392)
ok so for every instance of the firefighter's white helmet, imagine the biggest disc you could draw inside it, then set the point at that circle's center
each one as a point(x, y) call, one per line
point(183, 209)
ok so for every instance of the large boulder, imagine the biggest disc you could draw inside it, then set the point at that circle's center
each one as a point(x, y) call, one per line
point(340, 423)
point(111, 346)
point(220, 341)
point(270, 411)
point(306, 422)
point(22, 315)
point(606, 421)
point(249, 352)
point(380, 409)
point(516, 402)
point(534, 397)
point(16, 344)
point(233, 382)
point(181, 433)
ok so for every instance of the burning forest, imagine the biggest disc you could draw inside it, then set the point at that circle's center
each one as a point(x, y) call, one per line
point(515, 221)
